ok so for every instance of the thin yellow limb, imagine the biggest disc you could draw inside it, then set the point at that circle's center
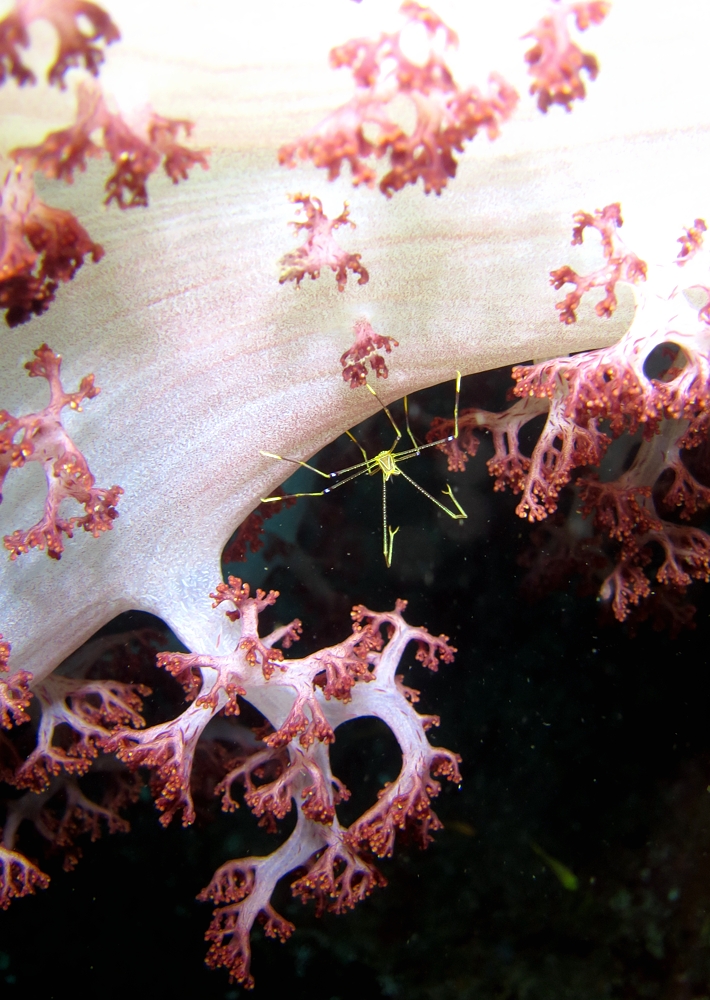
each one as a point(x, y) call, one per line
point(409, 429)
point(321, 493)
point(449, 493)
point(456, 404)
point(287, 496)
point(356, 442)
point(296, 461)
point(402, 456)
point(388, 551)
point(457, 517)
point(391, 418)
point(387, 532)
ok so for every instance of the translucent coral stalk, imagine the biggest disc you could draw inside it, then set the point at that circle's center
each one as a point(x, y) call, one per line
point(304, 700)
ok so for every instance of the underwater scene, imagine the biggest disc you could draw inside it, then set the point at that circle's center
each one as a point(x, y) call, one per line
point(573, 857)
point(355, 499)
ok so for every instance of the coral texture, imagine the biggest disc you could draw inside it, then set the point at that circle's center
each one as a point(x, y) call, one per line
point(592, 398)
point(366, 350)
point(366, 129)
point(320, 249)
point(556, 62)
point(40, 437)
point(304, 700)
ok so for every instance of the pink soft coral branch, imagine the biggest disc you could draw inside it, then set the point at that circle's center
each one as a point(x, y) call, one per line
point(621, 265)
point(40, 248)
point(40, 437)
point(304, 699)
point(365, 351)
point(135, 151)
point(15, 694)
point(555, 61)
point(320, 249)
point(365, 129)
point(18, 877)
point(83, 30)
point(92, 710)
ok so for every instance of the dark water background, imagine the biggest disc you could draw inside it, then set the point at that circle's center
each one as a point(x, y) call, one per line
point(577, 735)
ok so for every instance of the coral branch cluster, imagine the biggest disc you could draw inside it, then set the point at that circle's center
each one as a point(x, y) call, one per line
point(320, 249)
point(136, 151)
point(54, 803)
point(83, 30)
point(40, 437)
point(621, 265)
point(40, 246)
point(282, 765)
point(249, 535)
point(365, 351)
point(304, 700)
point(366, 129)
point(15, 691)
point(594, 397)
point(555, 61)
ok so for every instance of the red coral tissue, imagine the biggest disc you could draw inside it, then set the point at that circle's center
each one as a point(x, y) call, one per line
point(83, 29)
point(136, 150)
point(364, 350)
point(621, 265)
point(15, 691)
point(555, 61)
point(40, 247)
point(288, 764)
point(366, 129)
point(592, 398)
point(40, 437)
point(320, 249)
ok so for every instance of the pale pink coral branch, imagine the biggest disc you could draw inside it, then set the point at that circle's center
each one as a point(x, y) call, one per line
point(621, 265)
point(40, 248)
point(92, 710)
point(40, 437)
point(304, 700)
point(18, 877)
point(135, 152)
point(555, 61)
point(366, 129)
point(61, 815)
point(320, 249)
point(83, 29)
point(365, 351)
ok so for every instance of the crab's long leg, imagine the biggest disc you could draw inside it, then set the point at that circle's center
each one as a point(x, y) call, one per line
point(417, 446)
point(456, 405)
point(297, 461)
point(391, 418)
point(387, 532)
point(319, 493)
point(447, 492)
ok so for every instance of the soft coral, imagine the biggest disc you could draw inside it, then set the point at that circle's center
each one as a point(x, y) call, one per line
point(40, 437)
point(365, 128)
